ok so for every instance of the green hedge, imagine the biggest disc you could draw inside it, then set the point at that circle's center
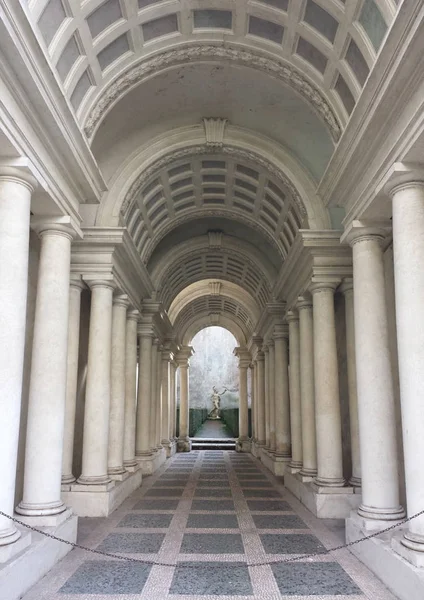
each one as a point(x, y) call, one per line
point(197, 416)
point(230, 416)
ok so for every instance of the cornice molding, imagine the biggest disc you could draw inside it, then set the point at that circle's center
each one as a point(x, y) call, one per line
point(230, 53)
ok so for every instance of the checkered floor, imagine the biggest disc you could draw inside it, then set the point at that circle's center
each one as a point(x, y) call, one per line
point(227, 524)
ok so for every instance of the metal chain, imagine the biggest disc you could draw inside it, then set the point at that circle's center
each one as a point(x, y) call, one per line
point(256, 564)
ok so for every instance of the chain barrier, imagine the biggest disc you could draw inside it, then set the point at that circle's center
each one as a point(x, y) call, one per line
point(255, 564)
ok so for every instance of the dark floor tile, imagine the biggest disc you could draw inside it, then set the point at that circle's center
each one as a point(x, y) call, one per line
point(214, 579)
point(156, 504)
point(251, 477)
point(164, 492)
point(139, 543)
point(249, 493)
point(214, 476)
point(257, 484)
point(211, 493)
point(142, 521)
point(212, 505)
point(268, 505)
point(213, 521)
point(169, 483)
point(212, 543)
point(207, 483)
point(278, 522)
point(293, 543)
point(107, 577)
point(313, 579)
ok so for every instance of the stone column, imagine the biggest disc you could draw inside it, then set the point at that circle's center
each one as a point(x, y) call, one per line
point(142, 441)
point(183, 362)
point(159, 408)
point(376, 407)
point(166, 387)
point(47, 388)
point(243, 365)
point(408, 246)
point(295, 398)
point(117, 396)
point(260, 398)
point(130, 389)
point(347, 290)
point(154, 396)
point(307, 394)
point(253, 400)
point(327, 397)
point(97, 395)
point(271, 391)
point(282, 398)
point(75, 289)
point(173, 400)
point(15, 202)
point(266, 398)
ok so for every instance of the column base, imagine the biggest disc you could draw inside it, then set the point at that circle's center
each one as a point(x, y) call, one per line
point(183, 445)
point(307, 474)
point(100, 501)
point(15, 544)
point(131, 465)
point(324, 482)
point(355, 482)
point(119, 476)
point(243, 444)
point(274, 463)
point(22, 571)
point(46, 520)
point(381, 514)
point(256, 449)
point(43, 512)
point(324, 503)
point(387, 557)
point(68, 479)
point(170, 447)
point(294, 466)
point(94, 479)
point(152, 462)
point(411, 548)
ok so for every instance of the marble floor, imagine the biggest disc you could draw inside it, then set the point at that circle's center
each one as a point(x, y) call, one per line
point(227, 524)
point(213, 429)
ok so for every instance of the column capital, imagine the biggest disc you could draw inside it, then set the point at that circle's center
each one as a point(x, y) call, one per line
point(346, 286)
point(19, 175)
point(304, 302)
point(121, 300)
point(183, 356)
point(146, 330)
point(77, 283)
point(265, 348)
point(260, 356)
point(292, 316)
point(281, 332)
point(53, 225)
point(133, 315)
point(404, 176)
point(98, 283)
point(323, 286)
point(359, 231)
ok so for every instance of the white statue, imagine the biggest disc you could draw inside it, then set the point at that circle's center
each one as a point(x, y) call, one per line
point(216, 401)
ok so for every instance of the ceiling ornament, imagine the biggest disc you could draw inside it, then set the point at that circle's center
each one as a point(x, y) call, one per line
point(232, 151)
point(183, 55)
point(214, 132)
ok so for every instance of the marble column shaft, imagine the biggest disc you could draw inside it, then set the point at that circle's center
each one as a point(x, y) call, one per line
point(173, 401)
point(307, 393)
point(97, 395)
point(159, 408)
point(282, 398)
point(75, 289)
point(376, 406)
point(166, 387)
point(142, 442)
point(295, 398)
point(266, 398)
point(347, 290)
point(117, 396)
point(327, 396)
point(184, 409)
point(15, 202)
point(154, 395)
point(271, 391)
point(408, 246)
point(253, 400)
point(130, 388)
point(260, 398)
point(47, 388)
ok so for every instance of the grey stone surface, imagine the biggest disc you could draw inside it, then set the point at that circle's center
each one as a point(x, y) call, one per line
point(165, 492)
point(263, 484)
point(278, 522)
point(144, 521)
point(210, 493)
point(268, 505)
point(212, 543)
point(314, 579)
point(212, 579)
point(107, 577)
point(156, 504)
point(134, 543)
point(292, 543)
point(211, 483)
point(249, 493)
point(212, 521)
point(212, 505)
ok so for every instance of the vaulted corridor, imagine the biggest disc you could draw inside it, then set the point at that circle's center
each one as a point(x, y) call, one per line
point(216, 515)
